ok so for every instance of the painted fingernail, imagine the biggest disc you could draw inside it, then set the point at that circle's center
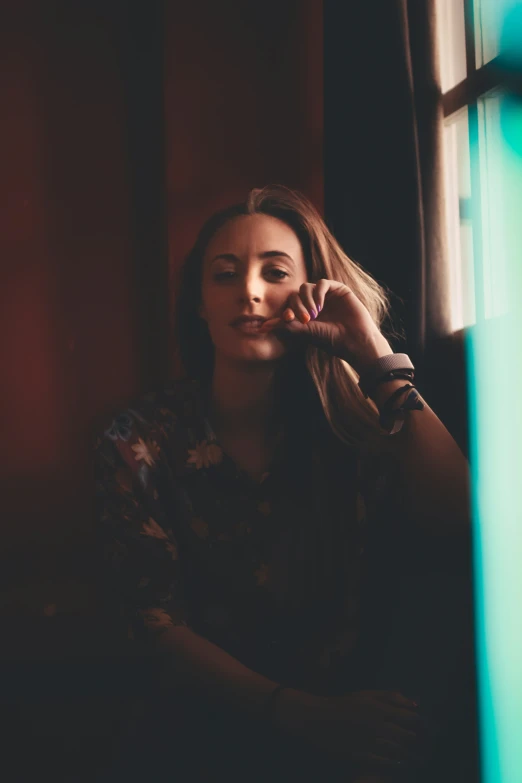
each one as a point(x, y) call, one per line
point(288, 315)
point(319, 308)
point(313, 314)
point(305, 318)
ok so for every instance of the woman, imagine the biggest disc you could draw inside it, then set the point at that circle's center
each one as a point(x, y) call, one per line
point(238, 508)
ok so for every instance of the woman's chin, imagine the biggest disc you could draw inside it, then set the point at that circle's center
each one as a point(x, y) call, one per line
point(257, 351)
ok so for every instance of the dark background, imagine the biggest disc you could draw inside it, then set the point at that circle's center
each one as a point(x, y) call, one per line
point(124, 126)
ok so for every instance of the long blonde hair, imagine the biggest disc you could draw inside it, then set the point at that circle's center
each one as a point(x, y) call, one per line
point(352, 418)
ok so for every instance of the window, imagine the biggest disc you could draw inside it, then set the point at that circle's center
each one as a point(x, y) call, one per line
point(469, 34)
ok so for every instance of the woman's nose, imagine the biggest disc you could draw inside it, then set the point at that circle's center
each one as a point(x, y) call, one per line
point(251, 290)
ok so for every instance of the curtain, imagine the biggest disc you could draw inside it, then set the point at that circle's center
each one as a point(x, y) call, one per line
point(382, 151)
point(84, 299)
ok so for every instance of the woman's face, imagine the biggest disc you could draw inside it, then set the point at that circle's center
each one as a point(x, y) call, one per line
point(251, 266)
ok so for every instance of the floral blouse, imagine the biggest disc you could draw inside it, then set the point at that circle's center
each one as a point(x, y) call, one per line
point(270, 571)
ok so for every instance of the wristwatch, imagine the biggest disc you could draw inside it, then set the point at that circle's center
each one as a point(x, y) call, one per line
point(391, 365)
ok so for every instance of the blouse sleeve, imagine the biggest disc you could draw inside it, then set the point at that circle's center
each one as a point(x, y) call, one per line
point(140, 554)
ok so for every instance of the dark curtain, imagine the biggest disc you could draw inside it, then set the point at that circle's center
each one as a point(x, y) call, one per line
point(383, 176)
point(142, 39)
point(384, 202)
point(84, 311)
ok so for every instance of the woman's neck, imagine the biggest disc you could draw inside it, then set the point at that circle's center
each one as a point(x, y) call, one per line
point(244, 403)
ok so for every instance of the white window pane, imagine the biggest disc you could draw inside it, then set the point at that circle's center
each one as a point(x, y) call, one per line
point(457, 182)
point(488, 22)
point(492, 205)
point(451, 42)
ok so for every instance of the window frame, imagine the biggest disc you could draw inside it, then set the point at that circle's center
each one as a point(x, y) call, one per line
point(467, 93)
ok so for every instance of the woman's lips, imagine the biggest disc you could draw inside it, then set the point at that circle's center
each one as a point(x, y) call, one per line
point(249, 327)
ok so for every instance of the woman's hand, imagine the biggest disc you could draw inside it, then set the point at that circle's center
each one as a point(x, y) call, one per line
point(373, 730)
point(329, 315)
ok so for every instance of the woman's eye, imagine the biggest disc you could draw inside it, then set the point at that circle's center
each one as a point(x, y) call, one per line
point(224, 275)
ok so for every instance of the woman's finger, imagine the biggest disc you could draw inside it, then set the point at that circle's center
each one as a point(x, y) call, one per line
point(306, 292)
point(321, 287)
point(297, 306)
point(269, 324)
point(404, 717)
point(389, 749)
point(396, 697)
point(404, 737)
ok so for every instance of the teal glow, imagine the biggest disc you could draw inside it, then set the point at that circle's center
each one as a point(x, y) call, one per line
point(511, 122)
point(511, 36)
point(494, 368)
point(510, 58)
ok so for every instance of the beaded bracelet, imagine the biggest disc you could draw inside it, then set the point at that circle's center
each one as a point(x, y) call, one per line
point(393, 375)
point(393, 419)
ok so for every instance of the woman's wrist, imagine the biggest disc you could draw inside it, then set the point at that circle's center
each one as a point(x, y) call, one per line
point(375, 347)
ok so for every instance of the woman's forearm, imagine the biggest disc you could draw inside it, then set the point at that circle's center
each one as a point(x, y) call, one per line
point(190, 661)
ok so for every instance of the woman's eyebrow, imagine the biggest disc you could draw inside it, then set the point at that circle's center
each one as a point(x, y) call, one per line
point(266, 254)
